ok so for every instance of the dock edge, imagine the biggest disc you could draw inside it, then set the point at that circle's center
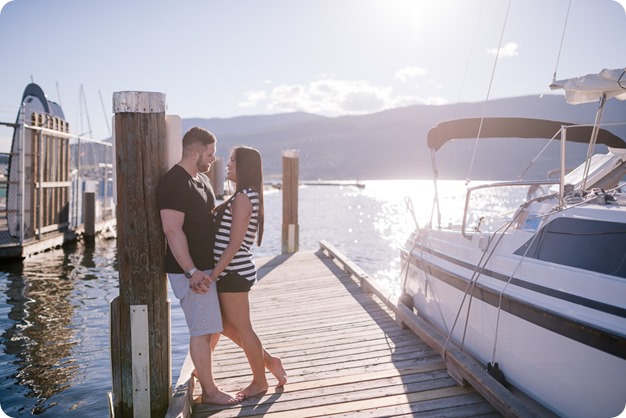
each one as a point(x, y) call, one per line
point(461, 366)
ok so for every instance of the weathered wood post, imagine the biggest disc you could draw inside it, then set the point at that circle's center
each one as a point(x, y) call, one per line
point(291, 229)
point(89, 215)
point(140, 321)
point(217, 175)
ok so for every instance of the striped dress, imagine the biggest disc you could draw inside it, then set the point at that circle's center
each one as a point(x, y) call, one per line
point(242, 261)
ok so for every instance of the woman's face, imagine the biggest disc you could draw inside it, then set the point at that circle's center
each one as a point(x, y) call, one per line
point(231, 168)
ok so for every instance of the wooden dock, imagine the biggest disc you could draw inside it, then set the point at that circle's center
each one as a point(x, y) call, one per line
point(345, 352)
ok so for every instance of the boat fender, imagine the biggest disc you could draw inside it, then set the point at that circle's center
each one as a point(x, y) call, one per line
point(494, 371)
point(483, 242)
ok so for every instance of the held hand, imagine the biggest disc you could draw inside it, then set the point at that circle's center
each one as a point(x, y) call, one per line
point(200, 282)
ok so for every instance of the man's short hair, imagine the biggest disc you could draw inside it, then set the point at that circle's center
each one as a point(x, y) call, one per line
point(198, 135)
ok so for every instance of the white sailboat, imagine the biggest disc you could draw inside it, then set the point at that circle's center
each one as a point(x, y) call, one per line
point(540, 299)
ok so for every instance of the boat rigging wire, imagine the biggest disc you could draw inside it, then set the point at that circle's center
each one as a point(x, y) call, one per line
point(106, 119)
point(405, 267)
point(470, 286)
point(433, 162)
point(497, 327)
point(418, 236)
point(471, 52)
point(493, 72)
point(512, 275)
point(558, 57)
point(534, 160)
point(472, 282)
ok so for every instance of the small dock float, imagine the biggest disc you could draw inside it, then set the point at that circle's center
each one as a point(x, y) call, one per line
point(348, 349)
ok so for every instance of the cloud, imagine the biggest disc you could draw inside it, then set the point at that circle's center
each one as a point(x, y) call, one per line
point(331, 97)
point(252, 98)
point(324, 96)
point(508, 50)
point(403, 101)
point(408, 73)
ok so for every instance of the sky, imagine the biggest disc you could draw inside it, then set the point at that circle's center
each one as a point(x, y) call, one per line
point(220, 59)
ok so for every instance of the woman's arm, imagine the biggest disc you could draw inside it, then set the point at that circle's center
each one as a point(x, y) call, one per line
point(241, 210)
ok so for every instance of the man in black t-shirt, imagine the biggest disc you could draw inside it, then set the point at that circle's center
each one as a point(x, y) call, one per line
point(186, 201)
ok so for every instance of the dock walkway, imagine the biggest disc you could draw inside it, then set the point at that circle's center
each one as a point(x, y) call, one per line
point(344, 352)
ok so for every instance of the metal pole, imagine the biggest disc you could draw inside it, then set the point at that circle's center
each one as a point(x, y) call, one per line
point(562, 175)
point(40, 202)
point(22, 175)
point(79, 192)
point(592, 142)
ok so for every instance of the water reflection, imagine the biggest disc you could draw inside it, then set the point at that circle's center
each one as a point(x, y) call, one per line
point(42, 331)
point(41, 337)
point(54, 310)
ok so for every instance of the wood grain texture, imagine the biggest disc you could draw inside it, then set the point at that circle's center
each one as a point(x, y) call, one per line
point(343, 350)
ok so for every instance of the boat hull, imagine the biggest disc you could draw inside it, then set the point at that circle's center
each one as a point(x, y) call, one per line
point(560, 360)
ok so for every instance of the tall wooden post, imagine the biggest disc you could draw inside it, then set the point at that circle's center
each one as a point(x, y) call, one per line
point(140, 315)
point(89, 215)
point(291, 229)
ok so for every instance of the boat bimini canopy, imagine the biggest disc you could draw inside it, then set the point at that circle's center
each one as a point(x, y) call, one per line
point(472, 128)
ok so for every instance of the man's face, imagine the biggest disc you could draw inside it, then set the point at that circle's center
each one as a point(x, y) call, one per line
point(206, 156)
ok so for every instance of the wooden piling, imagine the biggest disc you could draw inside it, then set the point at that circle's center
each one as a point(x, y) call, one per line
point(89, 215)
point(217, 175)
point(291, 229)
point(140, 322)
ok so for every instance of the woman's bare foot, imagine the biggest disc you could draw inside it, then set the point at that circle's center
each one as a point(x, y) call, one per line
point(252, 391)
point(218, 397)
point(275, 366)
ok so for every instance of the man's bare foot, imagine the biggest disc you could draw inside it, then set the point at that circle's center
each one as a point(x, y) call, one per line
point(252, 391)
point(275, 366)
point(217, 397)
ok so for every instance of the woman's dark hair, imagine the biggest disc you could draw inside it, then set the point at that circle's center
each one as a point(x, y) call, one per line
point(249, 171)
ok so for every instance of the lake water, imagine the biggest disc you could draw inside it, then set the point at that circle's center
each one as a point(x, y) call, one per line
point(54, 307)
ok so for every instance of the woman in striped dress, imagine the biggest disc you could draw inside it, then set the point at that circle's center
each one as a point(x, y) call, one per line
point(240, 222)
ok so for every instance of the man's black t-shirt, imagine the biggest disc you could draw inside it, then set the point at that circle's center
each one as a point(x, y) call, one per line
point(196, 199)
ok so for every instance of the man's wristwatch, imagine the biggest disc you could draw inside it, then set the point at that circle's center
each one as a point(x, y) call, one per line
point(190, 272)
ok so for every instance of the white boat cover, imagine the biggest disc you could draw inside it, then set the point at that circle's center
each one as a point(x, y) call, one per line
point(589, 88)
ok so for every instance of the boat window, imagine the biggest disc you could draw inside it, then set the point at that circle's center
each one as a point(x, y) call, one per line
point(598, 246)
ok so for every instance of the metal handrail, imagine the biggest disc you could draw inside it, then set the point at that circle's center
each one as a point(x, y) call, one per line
point(494, 185)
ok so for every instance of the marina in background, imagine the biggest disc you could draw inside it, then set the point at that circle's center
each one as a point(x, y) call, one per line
point(54, 186)
point(54, 308)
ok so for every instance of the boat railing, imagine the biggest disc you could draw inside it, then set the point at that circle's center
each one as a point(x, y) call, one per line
point(533, 185)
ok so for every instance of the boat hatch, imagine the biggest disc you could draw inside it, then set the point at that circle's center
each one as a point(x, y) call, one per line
point(605, 170)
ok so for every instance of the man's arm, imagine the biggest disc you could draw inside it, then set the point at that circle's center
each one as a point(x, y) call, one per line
point(172, 221)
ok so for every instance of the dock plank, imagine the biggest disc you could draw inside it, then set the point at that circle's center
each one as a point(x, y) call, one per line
point(343, 350)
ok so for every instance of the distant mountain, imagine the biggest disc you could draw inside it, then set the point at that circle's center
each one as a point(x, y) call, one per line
point(392, 144)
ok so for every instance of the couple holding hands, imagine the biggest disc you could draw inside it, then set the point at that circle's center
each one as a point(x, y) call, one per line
point(209, 260)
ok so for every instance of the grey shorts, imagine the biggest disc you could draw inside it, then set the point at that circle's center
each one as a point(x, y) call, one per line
point(202, 312)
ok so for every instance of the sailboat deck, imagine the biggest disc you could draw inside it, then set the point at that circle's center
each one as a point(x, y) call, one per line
point(344, 352)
